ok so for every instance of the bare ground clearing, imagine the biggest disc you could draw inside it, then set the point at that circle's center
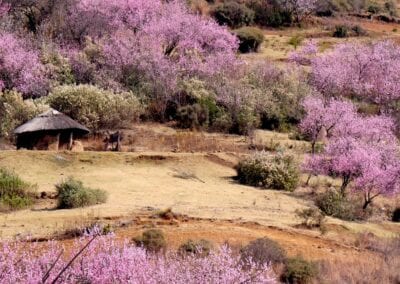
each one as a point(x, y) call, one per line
point(198, 185)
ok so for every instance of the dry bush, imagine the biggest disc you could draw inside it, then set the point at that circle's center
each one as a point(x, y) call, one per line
point(264, 250)
point(299, 271)
point(84, 229)
point(312, 218)
point(353, 270)
point(200, 247)
point(388, 248)
point(382, 266)
point(152, 240)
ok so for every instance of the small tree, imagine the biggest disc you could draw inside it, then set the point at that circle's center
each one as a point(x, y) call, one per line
point(300, 9)
point(325, 115)
point(373, 169)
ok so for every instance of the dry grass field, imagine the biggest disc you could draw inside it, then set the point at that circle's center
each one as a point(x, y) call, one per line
point(196, 181)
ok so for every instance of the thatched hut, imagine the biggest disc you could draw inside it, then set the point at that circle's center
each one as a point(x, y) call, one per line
point(51, 130)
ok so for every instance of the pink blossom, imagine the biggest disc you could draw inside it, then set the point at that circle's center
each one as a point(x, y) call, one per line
point(147, 44)
point(107, 261)
point(362, 70)
point(305, 55)
point(20, 67)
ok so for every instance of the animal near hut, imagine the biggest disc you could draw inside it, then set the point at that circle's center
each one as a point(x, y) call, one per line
point(51, 130)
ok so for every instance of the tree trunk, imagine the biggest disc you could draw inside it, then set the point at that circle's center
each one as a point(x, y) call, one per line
point(346, 181)
point(312, 153)
point(366, 203)
point(308, 179)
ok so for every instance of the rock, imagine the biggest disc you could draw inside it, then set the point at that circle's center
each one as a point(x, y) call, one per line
point(77, 146)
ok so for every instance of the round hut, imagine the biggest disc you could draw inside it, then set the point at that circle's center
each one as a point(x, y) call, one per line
point(51, 130)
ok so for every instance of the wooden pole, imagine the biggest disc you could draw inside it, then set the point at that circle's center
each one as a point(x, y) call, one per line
point(71, 140)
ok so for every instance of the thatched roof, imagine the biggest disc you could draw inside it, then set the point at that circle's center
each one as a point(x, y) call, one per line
point(51, 120)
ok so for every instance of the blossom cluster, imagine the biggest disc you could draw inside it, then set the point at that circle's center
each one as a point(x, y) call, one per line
point(106, 260)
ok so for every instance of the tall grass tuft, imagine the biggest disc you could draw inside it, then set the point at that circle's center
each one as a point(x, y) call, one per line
point(15, 193)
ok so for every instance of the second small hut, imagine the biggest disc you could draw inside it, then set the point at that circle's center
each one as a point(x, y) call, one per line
point(51, 130)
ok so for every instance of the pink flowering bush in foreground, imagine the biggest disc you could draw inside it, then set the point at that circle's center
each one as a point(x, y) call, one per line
point(105, 261)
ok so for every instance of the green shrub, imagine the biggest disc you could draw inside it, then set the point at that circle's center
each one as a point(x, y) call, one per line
point(332, 203)
point(250, 39)
point(299, 271)
point(341, 31)
point(374, 8)
point(282, 111)
point(192, 116)
point(295, 41)
point(14, 111)
point(94, 107)
point(270, 13)
point(270, 171)
point(201, 247)
point(245, 121)
point(222, 123)
point(14, 192)
point(264, 250)
point(391, 8)
point(58, 66)
point(233, 14)
point(396, 215)
point(279, 95)
point(210, 106)
point(152, 240)
point(73, 194)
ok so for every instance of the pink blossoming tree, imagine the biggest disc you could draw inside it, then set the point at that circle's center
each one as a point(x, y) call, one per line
point(150, 45)
point(362, 151)
point(372, 169)
point(362, 70)
point(20, 67)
